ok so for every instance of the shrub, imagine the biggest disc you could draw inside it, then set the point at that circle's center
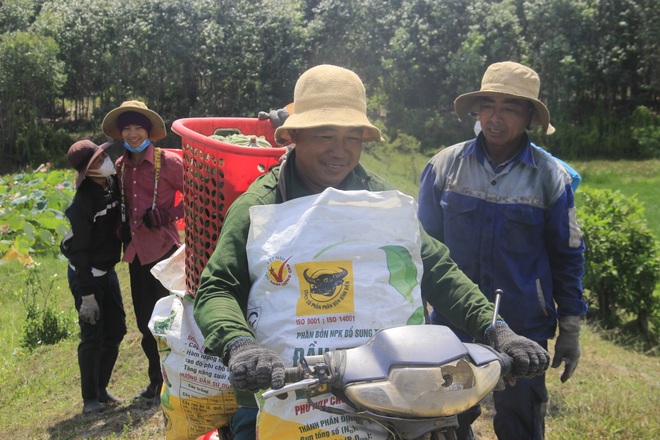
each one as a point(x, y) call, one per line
point(43, 325)
point(646, 133)
point(32, 205)
point(622, 264)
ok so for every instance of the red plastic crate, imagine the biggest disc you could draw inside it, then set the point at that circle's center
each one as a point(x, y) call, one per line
point(178, 197)
point(215, 174)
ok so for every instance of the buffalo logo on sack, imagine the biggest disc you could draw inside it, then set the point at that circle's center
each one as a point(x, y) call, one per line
point(325, 287)
point(279, 271)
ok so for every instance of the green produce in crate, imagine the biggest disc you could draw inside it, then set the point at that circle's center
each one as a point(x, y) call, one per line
point(242, 140)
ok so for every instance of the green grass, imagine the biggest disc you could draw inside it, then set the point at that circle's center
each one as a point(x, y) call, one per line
point(401, 170)
point(614, 393)
point(13, 293)
point(631, 178)
point(40, 390)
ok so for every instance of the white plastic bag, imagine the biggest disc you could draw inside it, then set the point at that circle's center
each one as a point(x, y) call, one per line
point(329, 271)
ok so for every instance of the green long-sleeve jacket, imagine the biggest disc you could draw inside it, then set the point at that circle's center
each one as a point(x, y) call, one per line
point(222, 296)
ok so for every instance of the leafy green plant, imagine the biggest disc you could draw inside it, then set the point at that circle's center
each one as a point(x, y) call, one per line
point(622, 264)
point(646, 132)
point(32, 205)
point(43, 325)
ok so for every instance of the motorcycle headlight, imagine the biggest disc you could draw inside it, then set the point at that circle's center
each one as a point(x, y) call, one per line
point(427, 391)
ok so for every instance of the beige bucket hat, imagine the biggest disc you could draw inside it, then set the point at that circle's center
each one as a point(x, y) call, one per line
point(328, 95)
point(509, 79)
point(110, 127)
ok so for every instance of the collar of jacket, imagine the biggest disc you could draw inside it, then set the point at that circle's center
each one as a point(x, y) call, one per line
point(291, 187)
point(476, 146)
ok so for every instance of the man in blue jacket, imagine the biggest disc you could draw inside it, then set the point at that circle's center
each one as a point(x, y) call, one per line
point(505, 210)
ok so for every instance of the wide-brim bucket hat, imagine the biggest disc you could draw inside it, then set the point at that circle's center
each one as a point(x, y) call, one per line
point(512, 80)
point(82, 154)
point(328, 95)
point(110, 127)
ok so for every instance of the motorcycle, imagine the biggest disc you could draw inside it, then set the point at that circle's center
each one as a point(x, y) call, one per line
point(412, 380)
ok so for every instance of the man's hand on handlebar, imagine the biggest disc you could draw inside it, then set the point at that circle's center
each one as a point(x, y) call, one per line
point(529, 358)
point(254, 367)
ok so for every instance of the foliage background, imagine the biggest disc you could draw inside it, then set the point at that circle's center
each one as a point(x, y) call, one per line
point(64, 64)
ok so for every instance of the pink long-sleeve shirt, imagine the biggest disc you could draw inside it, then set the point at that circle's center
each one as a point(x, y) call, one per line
point(139, 186)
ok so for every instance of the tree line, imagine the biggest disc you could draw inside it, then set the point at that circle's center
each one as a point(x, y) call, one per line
point(64, 64)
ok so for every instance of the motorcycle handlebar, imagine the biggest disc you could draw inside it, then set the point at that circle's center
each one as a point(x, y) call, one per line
point(294, 379)
point(506, 362)
point(293, 374)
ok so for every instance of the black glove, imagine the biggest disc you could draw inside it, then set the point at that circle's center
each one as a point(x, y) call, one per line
point(254, 367)
point(125, 233)
point(567, 347)
point(529, 358)
point(277, 117)
point(155, 218)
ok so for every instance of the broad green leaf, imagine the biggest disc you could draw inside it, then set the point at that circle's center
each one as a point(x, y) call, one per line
point(39, 206)
point(22, 244)
point(62, 229)
point(46, 237)
point(20, 200)
point(37, 194)
point(15, 221)
point(57, 201)
point(48, 220)
point(29, 231)
point(58, 213)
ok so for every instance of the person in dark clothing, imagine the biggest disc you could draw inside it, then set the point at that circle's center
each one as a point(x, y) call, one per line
point(93, 250)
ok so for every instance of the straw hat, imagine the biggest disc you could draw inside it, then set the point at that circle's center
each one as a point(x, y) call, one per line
point(328, 95)
point(508, 79)
point(110, 127)
point(82, 154)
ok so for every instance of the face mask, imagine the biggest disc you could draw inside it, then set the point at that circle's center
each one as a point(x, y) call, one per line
point(139, 149)
point(105, 170)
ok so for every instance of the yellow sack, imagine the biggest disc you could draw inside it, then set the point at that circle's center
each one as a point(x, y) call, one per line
point(196, 396)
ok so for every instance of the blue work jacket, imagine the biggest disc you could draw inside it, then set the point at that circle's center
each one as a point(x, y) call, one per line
point(514, 230)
